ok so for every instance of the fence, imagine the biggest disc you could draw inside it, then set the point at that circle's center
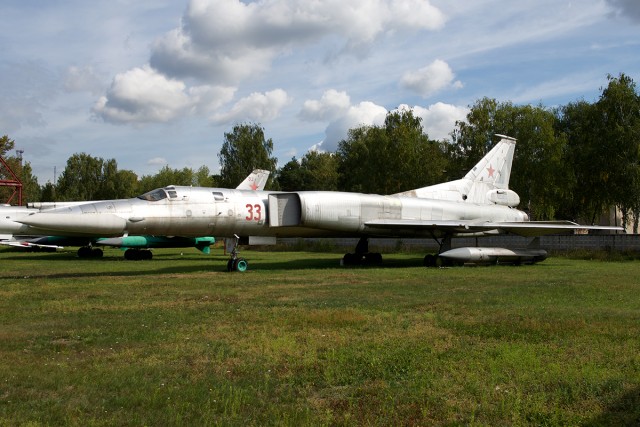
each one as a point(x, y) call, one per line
point(609, 242)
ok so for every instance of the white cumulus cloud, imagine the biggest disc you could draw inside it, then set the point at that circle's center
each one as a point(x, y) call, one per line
point(226, 41)
point(439, 119)
point(157, 161)
point(430, 79)
point(363, 114)
point(255, 107)
point(220, 44)
point(143, 95)
point(332, 105)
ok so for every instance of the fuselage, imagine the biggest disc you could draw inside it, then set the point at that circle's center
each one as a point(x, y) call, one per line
point(200, 211)
point(9, 215)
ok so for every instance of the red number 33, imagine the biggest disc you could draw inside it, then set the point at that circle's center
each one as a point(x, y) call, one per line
point(255, 212)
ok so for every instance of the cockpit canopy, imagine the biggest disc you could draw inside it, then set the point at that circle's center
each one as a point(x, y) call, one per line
point(159, 194)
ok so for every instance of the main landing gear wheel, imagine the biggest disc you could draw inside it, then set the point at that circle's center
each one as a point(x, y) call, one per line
point(429, 260)
point(137, 254)
point(437, 261)
point(236, 263)
point(362, 256)
point(89, 252)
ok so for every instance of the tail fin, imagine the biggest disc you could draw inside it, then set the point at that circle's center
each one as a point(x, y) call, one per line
point(255, 181)
point(495, 168)
point(486, 183)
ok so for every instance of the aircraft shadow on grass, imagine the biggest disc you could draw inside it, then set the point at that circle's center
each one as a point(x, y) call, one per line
point(214, 264)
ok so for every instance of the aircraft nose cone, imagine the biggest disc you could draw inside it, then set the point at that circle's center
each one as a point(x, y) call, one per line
point(82, 224)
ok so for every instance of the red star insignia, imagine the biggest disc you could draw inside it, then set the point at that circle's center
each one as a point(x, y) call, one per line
point(254, 186)
point(491, 170)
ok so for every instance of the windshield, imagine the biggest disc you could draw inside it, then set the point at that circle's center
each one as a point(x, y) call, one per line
point(154, 195)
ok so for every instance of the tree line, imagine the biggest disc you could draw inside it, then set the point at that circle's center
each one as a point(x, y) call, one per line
point(571, 162)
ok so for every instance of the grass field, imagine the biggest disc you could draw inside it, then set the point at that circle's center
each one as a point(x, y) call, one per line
point(299, 340)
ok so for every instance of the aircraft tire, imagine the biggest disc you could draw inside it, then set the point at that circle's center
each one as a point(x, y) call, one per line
point(240, 265)
point(444, 262)
point(84, 252)
point(350, 259)
point(96, 253)
point(373, 258)
point(132, 255)
point(429, 260)
point(146, 254)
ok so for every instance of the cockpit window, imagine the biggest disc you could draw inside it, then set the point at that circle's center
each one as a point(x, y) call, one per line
point(154, 195)
point(171, 191)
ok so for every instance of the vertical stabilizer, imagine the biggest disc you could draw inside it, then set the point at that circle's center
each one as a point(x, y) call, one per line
point(495, 168)
point(255, 181)
point(486, 183)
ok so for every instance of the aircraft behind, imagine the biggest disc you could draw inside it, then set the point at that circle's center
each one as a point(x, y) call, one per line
point(136, 247)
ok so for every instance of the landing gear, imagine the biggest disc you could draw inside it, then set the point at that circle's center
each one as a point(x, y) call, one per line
point(89, 252)
point(362, 256)
point(437, 261)
point(138, 254)
point(431, 260)
point(236, 263)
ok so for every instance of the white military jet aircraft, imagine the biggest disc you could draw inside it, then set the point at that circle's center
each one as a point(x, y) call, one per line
point(479, 204)
point(13, 233)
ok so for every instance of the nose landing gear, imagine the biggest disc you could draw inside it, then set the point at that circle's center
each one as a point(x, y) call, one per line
point(237, 263)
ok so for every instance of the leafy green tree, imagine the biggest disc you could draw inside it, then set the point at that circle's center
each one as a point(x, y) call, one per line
point(6, 145)
point(315, 171)
point(203, 178)
point(127, 184)
point(48, 193)
point(619, 135)
point(92, 178)
point(389, 159)
point(538, 173)
point(244, 149)
point(603, 147)
point(577, 125)
point(166, 176)
point(472, 138)
point(320, 171)
point(81, 178)
point(291, 176)
point(31, 191)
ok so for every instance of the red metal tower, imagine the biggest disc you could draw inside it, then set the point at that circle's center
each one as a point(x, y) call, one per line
point(15, 182)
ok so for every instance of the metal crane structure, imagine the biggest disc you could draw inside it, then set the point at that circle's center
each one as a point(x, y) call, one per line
point(11, 180)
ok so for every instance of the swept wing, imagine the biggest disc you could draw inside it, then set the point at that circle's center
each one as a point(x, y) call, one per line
point(525, 228)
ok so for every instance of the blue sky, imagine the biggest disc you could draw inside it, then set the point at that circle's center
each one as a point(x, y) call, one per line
point(156, 82)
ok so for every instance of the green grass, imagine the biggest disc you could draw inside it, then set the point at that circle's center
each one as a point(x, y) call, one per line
point(299, 340)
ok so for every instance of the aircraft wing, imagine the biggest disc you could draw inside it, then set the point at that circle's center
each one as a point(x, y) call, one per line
point(526, 228)
point(25, 244)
